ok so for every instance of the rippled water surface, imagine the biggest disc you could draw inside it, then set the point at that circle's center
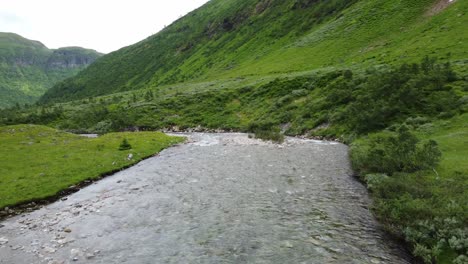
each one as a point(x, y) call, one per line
point(223, 198)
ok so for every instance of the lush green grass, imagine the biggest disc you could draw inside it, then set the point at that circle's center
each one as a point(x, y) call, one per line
point(452, 135)
point(28, 68)
point(371, 33)
point(254, 38)
point(38, 162)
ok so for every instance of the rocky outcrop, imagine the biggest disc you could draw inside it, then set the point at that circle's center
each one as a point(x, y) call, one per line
point(71, 57)
point(28, 68)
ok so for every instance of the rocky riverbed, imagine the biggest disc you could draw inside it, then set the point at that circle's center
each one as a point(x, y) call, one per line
point(221, 198)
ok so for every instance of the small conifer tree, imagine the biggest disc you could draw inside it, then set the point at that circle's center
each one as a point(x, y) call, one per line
point(125, 145)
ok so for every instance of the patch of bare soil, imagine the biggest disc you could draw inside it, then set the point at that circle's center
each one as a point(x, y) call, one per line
point(439, 6)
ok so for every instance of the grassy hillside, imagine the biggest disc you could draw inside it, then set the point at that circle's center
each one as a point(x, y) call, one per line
point(58, 160)
point(232, 38)
point(28, 68)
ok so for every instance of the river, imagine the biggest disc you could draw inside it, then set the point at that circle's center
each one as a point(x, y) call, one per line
point(221, 198)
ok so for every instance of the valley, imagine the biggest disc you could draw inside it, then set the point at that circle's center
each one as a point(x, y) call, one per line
point(28, 68)
point(387, 78)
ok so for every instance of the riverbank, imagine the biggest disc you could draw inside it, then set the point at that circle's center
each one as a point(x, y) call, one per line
point(41, 164)
point(220, 198)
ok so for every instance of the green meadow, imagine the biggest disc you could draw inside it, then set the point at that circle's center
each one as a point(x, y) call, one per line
point(38, 162)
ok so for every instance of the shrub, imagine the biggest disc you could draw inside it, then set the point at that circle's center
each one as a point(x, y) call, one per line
point(430, 237)
point(266, 130)
point(395, 152)
point(102, 127)
point(300, 92)
point(388, 97)
point(274, 136)
point(125, 145)
point(416, 121)
point(374, 180)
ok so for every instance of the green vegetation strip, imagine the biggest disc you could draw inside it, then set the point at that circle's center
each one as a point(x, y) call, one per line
point(407, 126)
point(39, 162)
point(427, 207)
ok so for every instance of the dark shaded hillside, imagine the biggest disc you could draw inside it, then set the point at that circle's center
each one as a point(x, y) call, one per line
point(233, 38)
point(28, 68)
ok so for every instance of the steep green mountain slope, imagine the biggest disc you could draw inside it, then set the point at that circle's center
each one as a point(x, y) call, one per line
point(238, 38)
point(28, 68)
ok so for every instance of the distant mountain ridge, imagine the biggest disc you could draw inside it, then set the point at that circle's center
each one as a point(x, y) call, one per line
point(28, 68)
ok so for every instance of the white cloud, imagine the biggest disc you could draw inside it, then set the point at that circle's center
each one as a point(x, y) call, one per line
point(104, 25)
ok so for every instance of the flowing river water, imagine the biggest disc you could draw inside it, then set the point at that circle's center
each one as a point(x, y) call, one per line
point(221, 198)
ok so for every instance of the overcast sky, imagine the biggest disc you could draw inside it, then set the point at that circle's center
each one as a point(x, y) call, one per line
point(103, 25)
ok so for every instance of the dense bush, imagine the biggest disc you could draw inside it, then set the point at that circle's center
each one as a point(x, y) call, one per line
point(429, 212)
point(391, 96)
point(395, 152)
point(411, 198)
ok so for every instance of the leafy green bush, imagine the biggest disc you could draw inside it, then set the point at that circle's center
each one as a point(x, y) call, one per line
point(387, 97)
point(432, 237)
point(395, 152)
point(102, 127)
point(374, 180)
point(429, 212)
point(416, 121)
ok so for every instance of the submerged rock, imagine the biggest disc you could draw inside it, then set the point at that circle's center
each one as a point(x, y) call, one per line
point(3, 241)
